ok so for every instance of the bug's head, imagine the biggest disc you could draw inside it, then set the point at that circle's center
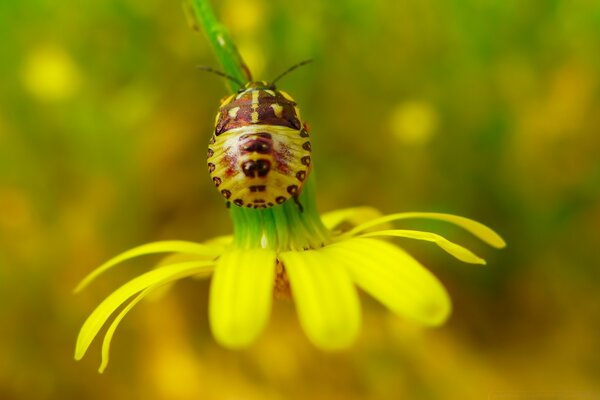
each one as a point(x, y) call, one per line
point(257, 85)
point(254, 85)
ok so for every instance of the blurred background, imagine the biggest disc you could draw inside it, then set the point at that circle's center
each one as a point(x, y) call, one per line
point(487, 109)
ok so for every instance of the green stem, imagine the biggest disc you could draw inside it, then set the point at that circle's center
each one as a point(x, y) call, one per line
point(220, 41)
point(282, 227)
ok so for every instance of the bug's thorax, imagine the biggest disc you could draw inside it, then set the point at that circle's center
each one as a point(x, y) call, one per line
point(258, 103)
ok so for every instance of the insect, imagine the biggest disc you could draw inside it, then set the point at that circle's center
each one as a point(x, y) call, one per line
point(260, 153)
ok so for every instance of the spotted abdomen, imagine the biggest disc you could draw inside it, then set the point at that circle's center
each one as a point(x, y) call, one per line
point(259, 166)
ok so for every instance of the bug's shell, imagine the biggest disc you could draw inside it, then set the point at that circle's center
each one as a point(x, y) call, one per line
point(259, 154)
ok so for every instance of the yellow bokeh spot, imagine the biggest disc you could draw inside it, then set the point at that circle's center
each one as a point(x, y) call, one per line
point(246, 20)
point(49, 74)
point(244, 17)
point(414, 122)
point(254, 57)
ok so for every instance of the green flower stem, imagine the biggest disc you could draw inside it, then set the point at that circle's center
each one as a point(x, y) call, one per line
point(220, 41)
point(282, 227)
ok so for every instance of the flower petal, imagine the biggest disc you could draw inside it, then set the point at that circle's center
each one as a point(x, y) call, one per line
point(184, 257)
point(481, 231)
point(113, 327)
point(394, 278)
point(326, 299)
point(354, 216)
point(158, 293)
point(223, 240)
point(168, 246)
point(463, 254)
point(156, 277)
point(241, 292)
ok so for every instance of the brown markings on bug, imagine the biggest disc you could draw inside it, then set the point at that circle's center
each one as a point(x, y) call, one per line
point(306, 146)
point(217, 181)
point(277, 110)
point(305, 160)
point(280, 199)
point(210, 153)
point(226, 193)
point(238, 202)
point(283, 156)
point(249, 168)
point(229, 161)
point(211, 167)
point(258, 168)
point(301, 175)
point(304, 133)
point(292, 189)
point(257, 188)
point(263, 167)
point(243, 116)
point(271, 110)
point(261, 143)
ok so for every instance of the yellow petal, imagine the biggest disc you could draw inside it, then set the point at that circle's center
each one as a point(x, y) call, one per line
point(394, 278)
point(481, 231)
point(353, 216)
point(158, 293)
point(224, 240)
point(325, 297)
point(169, 246)
point(241, 292)
point(453, 249)
point(113, 327)
point(157, 277)
point(184, 257)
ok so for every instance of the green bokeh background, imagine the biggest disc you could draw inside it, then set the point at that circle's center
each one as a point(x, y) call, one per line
point(487, 109)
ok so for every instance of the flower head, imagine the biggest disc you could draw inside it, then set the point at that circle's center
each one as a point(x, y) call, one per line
point(322, 264)
point(288, 246)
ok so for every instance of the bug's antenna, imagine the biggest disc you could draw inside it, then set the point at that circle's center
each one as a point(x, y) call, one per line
point(223, 74)
point(290, 69)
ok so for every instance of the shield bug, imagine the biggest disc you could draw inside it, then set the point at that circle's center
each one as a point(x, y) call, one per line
point(260, 153)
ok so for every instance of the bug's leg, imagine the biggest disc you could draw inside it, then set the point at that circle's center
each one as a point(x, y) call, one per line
point(228, 204)
point(298, 203)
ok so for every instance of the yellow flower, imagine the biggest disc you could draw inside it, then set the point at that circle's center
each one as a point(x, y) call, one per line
point(323, 278)
point(319, 257)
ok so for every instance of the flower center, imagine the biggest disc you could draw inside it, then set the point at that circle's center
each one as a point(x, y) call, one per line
point(282, 289)
point(282, 228)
